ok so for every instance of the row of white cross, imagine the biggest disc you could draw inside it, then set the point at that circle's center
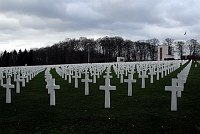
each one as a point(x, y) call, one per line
point(178, 86)
point(19, 75)
point(75, 71)
point(128, 69)
point(50, 85)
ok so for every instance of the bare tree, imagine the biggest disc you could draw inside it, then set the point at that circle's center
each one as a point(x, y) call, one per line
point(143, 52)
point(180, 47)
point(169, 41)
point(197, 50)
point(153, 44)
point(119, 42)
point(126, 51)
point(192, 46)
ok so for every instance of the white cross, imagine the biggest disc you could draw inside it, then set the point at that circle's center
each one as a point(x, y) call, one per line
point(118, 70)
point(18, 80)
point(179, 82)
point(23, 80)
point(48, 77)
point(157, 72)
point(130, 80)
point(15, 75)
point(94, 74)
point(30, 75)
point(143, 76)
point(27, 77)
point(165, 69)
point(2, 77)
point(168, 69)
point(65, 74)
point(152, 73)
point(76, 76)
point(132, 71)
point(86, 81)
point(121, 76)
point(162, 72)
point(107, 76)
point(62, 73)
point(126, 71)
point(174, 89)
point(139, 70)
point(51, 87)
point(108, 70)
point(8, 87)
point(70, 77)
point(107, 89)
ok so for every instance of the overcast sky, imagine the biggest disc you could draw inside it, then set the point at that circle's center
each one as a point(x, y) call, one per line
point(37, 23)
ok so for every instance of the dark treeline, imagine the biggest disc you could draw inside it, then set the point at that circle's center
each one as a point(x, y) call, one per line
point(71, 51)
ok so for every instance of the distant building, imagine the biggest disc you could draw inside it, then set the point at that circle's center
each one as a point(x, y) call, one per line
point(165, 52)
point(120, 59)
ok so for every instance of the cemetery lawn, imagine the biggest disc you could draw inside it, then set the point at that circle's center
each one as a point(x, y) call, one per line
point(147, 111)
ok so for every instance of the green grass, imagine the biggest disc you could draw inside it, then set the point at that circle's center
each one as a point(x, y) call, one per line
point(147, 111)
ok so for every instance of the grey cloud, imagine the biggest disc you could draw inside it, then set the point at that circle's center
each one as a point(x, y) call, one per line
point(42, 8)
point(134, 19)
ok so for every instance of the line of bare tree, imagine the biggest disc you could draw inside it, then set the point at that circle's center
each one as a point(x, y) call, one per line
point(85, 50)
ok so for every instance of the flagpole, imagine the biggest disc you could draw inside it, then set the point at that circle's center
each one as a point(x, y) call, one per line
point(185, 38)
point(185, 34)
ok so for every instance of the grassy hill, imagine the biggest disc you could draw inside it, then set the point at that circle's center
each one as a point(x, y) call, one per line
point(147, 111)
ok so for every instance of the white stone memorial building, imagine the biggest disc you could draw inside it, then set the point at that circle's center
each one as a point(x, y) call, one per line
point(165, 52)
